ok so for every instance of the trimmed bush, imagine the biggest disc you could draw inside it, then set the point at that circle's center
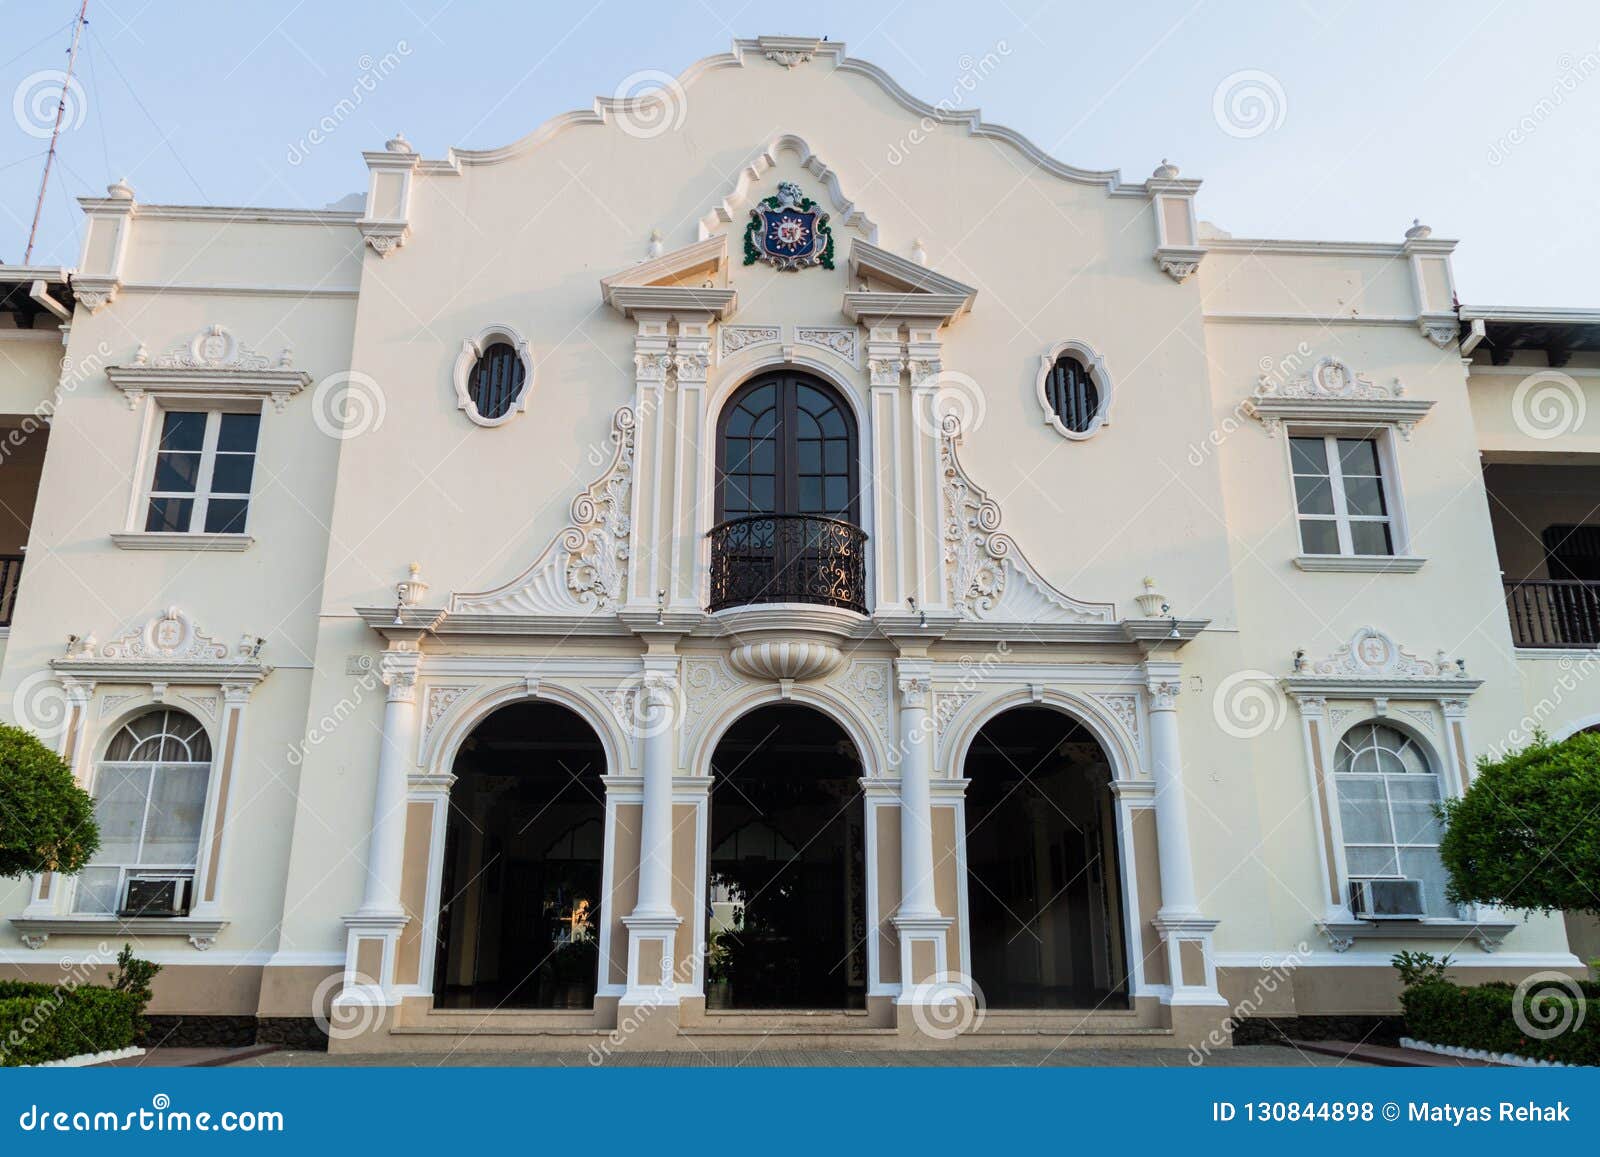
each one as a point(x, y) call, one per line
point(1484, 1017)
point(48, 823)
point(42, 1022)
point(1526, 834)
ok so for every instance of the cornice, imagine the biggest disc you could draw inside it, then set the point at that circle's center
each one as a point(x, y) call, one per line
point(788, 51)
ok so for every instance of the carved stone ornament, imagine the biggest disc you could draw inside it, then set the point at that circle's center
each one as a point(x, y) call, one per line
point(1333, 391)
point(1371, 654)
point(585, 569)
point(986, 575)
point(841, 341)
point(733, 339)
point(214, 361)
point(169, 648)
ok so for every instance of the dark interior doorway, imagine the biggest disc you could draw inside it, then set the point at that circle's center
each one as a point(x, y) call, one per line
point(787, 920)
point(519, 919)
point(1043, 896)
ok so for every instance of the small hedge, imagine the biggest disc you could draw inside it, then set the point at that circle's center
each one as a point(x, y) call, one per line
point(43, 1022)
point(1483, 1017)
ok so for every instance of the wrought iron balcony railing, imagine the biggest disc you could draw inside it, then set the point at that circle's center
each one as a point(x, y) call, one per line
point(788, 558)
point(1564, 613)
point(10, 575)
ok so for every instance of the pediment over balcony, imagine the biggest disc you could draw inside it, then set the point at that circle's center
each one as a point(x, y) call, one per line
point(690, 280)
point(987, 576)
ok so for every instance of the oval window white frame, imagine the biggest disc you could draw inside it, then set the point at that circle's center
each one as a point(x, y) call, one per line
point(1095, 365)
point(472, 349)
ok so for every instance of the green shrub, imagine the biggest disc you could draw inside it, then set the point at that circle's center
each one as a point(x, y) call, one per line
point(1526, 834)
point(1485, 1017)
point(47, 824)
point(42, 1022)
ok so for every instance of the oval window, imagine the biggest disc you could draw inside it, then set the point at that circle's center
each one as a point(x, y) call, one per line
point(1071, 393)
point(496, 381)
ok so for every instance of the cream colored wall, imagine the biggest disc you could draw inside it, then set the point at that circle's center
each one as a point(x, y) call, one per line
point(524, 242)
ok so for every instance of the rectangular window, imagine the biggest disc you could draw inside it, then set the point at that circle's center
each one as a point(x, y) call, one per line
point(150, 817)
point(205, 461)
point(1341, 495)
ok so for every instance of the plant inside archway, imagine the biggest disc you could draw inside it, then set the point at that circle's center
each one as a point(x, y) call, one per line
point(46, 819)
point(1526, 834)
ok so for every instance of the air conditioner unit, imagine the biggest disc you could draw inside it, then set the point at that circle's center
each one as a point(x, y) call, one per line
point(156, 896)
point(1386, 899)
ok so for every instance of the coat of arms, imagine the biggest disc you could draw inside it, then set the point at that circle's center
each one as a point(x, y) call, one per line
point(788, 231)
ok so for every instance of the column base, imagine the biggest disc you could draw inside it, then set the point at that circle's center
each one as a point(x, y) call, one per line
point(652, 949)
point(925, 976)
point(369, 958)
point(1186, 936)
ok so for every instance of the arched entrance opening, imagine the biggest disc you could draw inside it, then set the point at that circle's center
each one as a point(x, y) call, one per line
point(786, 883)
point(519, 908)
point(1044, 897)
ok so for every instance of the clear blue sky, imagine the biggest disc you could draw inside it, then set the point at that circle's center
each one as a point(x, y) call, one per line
point(1380, 111)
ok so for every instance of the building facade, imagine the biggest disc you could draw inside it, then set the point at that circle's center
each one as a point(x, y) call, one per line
point(779, 560)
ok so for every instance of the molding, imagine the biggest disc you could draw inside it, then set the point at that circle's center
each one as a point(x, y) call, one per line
point(1333, 392)
point(680, 301)
point(213, 363)
point(585, 569)
point(1359, 563)
point(176, 540)
point(1342, 934)
point(247, 214)
point(756, 51)
point(37, 930)
point(739, 198)
point(472, 350)
point(1180, 262)
point(986, 575)
point(1249, 245)
point(243, 290)
point(169, 648)
point(1368, 958)
point(1530, 313)
point(918, 292)
point(1104, 389)
point(1373, 665)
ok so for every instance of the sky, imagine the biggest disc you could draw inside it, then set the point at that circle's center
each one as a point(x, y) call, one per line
point(1339, 121)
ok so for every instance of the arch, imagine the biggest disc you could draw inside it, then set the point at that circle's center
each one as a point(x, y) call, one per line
point(1051, 922)
point(524, 925)
point(870, 745)
point(812, 459)
point(786, 912)
point(443, 742)
point(144, 704)
point(1589, 722)
point(1126, 764)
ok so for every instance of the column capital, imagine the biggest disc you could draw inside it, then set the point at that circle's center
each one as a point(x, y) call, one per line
point(399, 670)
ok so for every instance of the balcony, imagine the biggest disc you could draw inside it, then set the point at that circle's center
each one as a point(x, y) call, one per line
point(788, 558)
point(1554, 613)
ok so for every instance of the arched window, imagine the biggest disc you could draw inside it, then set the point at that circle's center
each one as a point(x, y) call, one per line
point(787, 445)
point(787, 505)
point(1387, 791)
point(149, 803)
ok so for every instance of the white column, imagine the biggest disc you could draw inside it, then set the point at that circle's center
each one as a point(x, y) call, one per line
point(924, 964)
point(1172, 813)
point(916, 804)
point(386, 851)
point(653, 924)
point(1184, 931)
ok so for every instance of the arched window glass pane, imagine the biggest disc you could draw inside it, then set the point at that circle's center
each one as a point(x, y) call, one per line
point(1387, 793)
point(150, 797)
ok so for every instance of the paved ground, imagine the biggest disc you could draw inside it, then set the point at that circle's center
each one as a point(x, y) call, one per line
point(1272, 1055)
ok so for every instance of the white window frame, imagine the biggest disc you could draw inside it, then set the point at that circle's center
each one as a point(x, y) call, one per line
point(1443, 789)
point(135, 536)
point(1400, 558)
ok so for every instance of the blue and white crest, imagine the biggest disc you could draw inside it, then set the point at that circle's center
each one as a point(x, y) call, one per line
point(788, 231)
